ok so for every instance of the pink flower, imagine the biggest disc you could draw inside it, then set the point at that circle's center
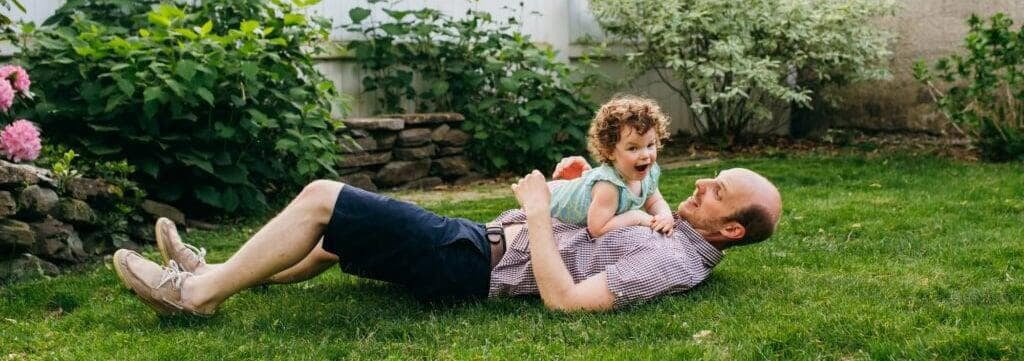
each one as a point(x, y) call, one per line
point(21, 81)
point(6, 95)
point(20, 141)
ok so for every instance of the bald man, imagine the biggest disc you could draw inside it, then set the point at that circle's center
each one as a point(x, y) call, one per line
point(523, 251)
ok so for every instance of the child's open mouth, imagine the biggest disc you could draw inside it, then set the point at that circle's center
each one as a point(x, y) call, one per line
point(641, 168)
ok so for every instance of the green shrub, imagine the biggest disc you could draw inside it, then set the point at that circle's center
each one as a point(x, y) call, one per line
point(523, 107)
point(987, 86)
point(211, 112)
point(120, 16)
point(6, 25)
point(734, 62)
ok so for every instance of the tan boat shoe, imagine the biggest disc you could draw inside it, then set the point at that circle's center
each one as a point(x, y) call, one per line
point(158, 287)
point(172, 248)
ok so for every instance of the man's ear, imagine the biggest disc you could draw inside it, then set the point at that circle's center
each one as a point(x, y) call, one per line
point(733, 231)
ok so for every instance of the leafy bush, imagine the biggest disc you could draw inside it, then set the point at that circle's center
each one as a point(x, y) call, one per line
point(120, 16)
point(734, 62)
point(523, 107)
point(987, 91)
point(215, 112)
point(6, 25)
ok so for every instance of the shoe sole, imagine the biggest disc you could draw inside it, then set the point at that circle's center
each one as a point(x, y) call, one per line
point(124, 280)
point(161, 242)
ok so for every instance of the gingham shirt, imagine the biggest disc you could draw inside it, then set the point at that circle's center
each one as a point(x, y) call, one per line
point(640, 263)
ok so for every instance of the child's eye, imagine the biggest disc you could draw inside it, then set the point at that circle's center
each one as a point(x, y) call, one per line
point(631, 149)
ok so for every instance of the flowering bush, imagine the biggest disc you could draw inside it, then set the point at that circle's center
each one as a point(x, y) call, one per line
point(733, 63)
point(19, 141)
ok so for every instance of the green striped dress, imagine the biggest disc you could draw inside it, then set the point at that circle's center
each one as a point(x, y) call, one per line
point(570, 201)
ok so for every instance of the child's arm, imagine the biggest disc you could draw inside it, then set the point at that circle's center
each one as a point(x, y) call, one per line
point(555, 184)
point(601, 216)
point(657, 207)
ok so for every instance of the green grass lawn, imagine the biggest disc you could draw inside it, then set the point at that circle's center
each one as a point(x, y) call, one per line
point(883, 258)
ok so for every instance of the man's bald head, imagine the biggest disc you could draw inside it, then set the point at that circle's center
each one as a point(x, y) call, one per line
point(735, 208)
point(761, 215)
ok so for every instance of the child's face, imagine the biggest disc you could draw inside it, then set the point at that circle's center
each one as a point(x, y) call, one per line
point(635, 153)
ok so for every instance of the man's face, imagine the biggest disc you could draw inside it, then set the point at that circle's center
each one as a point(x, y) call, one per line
point(714, 200)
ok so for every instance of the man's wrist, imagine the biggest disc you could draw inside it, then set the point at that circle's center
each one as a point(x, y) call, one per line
point(537, 212)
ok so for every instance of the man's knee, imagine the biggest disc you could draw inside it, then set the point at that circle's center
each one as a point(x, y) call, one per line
point(321, 194)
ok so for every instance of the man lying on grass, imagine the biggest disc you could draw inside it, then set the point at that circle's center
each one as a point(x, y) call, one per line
point(440, 258)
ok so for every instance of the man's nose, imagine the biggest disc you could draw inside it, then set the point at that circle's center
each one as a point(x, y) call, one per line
point(702, 184)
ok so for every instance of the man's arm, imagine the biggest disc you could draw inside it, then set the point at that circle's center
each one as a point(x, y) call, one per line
point(557, 289)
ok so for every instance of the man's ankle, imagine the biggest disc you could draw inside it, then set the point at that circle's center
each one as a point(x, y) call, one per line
point(195, 296)
point(204, 268)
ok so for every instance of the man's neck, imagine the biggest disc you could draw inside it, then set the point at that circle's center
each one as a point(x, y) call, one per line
point(714, 239)
point(719, 245)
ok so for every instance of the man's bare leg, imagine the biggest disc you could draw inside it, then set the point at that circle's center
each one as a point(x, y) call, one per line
point(282, 243)
point(316, 262)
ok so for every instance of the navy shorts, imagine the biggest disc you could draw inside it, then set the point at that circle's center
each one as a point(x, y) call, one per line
point(436, 257)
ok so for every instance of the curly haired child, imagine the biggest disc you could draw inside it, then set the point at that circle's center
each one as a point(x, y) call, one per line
point(624, 136)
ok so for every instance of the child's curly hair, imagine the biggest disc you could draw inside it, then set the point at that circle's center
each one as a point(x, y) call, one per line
point(640, 114)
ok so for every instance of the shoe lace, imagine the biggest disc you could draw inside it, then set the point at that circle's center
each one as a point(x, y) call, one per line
point(199, 252)
point(174, 274)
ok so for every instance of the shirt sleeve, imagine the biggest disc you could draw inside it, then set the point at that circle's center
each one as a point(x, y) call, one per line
point(646, 275)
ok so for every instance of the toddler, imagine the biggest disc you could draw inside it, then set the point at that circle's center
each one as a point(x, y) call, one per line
point(624, 136)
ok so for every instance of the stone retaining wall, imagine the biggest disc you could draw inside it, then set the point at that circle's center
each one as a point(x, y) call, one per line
point(405, 151)
point(44, 227)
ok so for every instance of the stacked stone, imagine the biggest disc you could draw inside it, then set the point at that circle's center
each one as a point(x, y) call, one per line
point(41, 228)
point(405, 151)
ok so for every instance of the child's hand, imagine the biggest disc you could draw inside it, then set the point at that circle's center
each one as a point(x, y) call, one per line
point(570, 168)
point(663, 223)
point(640, 218)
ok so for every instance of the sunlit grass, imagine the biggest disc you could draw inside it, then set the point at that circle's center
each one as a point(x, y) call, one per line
point(883, 258)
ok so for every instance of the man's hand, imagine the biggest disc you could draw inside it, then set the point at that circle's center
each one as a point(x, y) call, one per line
point(570, 168)
point(663, 223)
point(532, 193)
